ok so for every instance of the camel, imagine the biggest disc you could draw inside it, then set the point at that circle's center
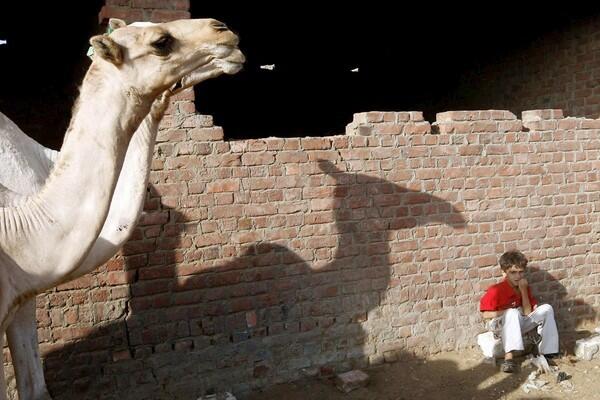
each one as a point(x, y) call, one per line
point(55, 234)
point(35, 162)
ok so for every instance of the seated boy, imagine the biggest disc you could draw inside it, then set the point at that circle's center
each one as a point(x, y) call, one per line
point(514, 311)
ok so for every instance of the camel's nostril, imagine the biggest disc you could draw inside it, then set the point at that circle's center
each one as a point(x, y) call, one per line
point(219, 26)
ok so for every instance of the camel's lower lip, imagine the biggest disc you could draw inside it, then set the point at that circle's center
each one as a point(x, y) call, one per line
point(177, 87)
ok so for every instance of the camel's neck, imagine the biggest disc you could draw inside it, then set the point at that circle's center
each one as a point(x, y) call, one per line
point(105, 117)
point(78, 192)
point(129, 195)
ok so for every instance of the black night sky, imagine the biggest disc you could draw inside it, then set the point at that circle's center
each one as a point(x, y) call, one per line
point(410, 57)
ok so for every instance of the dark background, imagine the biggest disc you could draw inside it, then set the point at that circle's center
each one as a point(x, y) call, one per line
point(43, 63)
point(410, 58)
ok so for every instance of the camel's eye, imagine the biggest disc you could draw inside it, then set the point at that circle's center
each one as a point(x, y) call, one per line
point(163, 44)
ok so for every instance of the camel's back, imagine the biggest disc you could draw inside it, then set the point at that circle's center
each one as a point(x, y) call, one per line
point(25, 163)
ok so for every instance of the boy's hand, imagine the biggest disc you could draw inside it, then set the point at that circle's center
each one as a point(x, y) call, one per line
point(523, 284)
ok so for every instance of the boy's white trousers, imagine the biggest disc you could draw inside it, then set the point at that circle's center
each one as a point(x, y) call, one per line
point(513, 324)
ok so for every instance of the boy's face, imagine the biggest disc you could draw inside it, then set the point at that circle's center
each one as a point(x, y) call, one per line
point(514, 274)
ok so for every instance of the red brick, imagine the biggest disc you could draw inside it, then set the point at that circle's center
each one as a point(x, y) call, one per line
point(246, 237)
point(209, 239)
point(118, 2)
point(120, 278)
point(161, 4)
point(421, 128)
point(256, 210)
point(225, 185)
point(428, 174)
point(156, 218)
point(171, 135)
point(131, 248)
point(265, 158)
point(169, 15)
point(315, 143)
point(80, 283)
point(206, 134)
point(169, 189)
point(387, 129)
point(72, 333)
point(124, 13)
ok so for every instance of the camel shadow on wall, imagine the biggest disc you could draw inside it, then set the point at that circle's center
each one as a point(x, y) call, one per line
point(571, 312)
point(271, 314)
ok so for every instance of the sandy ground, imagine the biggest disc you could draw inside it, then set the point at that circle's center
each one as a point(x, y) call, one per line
point(449, 376)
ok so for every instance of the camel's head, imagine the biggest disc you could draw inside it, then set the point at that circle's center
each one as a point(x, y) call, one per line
point(171, 56)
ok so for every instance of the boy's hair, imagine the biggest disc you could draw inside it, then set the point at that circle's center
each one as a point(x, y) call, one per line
point(513, 258)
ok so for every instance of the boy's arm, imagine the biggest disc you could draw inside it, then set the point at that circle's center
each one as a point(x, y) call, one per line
point(525, 296)
point(488, 305)
point(492, 314)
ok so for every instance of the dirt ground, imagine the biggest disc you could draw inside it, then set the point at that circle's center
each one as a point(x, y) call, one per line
point(446, 376)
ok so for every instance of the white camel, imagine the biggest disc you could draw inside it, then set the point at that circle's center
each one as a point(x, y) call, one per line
point(51, 236)
point(30, 166)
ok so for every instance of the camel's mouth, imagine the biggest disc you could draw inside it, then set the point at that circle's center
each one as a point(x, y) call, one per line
point(231, 64)
point(177, 87)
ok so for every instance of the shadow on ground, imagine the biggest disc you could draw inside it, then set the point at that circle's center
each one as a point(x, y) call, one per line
point(442, 377)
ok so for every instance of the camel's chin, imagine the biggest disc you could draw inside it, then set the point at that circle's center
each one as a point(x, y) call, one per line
point(224, 67)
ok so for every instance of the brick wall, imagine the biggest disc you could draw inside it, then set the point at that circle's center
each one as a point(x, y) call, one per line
point(560, 69)
point(262, 261)
point(145, 10)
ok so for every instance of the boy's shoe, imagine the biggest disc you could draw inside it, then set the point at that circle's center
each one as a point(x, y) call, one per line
point(508, 366)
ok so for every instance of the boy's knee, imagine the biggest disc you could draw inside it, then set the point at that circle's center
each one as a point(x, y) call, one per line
point(546, 309)
point(512, 313)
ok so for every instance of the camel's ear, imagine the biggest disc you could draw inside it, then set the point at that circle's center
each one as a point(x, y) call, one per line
point(107, 49)
point(116, 23)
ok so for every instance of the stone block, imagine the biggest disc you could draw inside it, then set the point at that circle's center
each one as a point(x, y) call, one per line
point(587, 349)
point(490, 346)
point(348, 381)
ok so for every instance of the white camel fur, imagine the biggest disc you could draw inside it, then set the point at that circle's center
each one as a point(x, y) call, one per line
point(65, 230)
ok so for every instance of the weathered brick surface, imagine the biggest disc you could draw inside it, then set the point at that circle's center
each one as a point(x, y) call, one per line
point(326, 253)
point(145, 10)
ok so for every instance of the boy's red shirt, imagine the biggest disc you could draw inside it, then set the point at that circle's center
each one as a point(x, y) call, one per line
point(502, 296)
